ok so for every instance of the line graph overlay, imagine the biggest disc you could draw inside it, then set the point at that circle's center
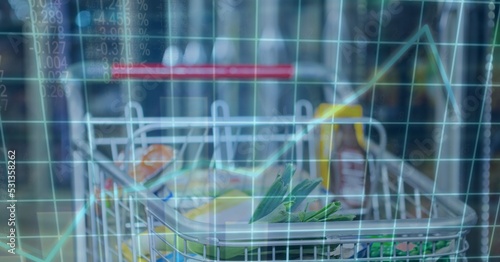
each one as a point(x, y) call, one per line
point(424, 31)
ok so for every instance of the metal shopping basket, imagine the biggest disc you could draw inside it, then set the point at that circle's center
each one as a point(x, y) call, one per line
point(408, 220)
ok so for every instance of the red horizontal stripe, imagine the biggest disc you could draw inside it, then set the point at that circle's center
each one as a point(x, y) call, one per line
point(159, 71)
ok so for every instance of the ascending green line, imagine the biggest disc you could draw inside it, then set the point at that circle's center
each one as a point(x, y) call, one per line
point(423, 31)
point(21, 253)
point(62, 241)
point(71, 228)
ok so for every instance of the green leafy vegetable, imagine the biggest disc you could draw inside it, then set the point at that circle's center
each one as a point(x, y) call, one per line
point(302, 191)
point(389, 250)
point(279, 207)
point(335, 217)
point(275, 194)
point(279, 214)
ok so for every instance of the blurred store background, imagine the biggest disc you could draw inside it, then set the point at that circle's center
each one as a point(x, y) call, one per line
point(409, 54)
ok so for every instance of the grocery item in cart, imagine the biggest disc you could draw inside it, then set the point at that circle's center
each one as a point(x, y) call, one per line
point(280, 203)
point(349, 168)
point(149, 163)
point(189, 189)
point(330, 145)
point(416, 249)
point(392, 250)
point(350, 251)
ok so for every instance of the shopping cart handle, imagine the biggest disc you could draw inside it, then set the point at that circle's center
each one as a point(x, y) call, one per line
point(208, 71)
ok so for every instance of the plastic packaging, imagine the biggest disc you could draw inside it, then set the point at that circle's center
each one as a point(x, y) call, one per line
point(350, 169)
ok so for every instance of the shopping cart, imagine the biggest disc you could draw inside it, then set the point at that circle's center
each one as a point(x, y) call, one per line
point(407, 220)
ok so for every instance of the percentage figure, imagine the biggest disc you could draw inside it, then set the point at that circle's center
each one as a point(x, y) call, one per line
point(142, 5)
point(144, 48)
point(142, 19)
point(144, 32)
